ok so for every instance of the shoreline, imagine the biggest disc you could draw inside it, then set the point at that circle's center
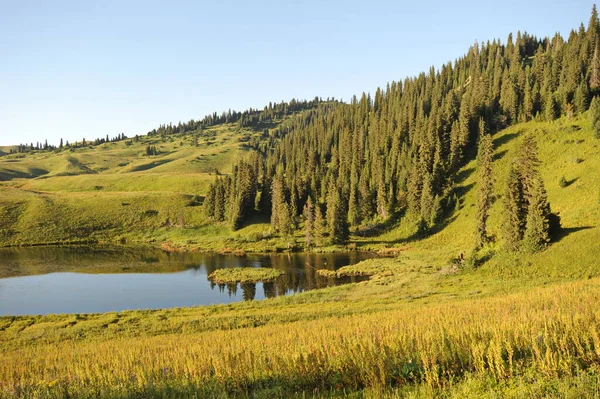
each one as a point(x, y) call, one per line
point(169, 247)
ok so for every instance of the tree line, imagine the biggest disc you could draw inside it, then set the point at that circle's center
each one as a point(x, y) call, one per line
point(24, 148)
point(249, 118)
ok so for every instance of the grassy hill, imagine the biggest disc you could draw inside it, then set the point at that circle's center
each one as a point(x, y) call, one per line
point(566, 148)
point(517, 325)
point(113, 192)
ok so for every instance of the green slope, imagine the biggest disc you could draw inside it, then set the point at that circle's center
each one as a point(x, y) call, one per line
point(114, 192)
point(516, 325)
point(566, 148)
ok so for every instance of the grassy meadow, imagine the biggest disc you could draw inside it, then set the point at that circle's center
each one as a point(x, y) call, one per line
point(510, 325)
point(114, 192)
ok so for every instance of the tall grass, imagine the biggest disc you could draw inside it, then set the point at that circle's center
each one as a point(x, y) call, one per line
point(552, 330)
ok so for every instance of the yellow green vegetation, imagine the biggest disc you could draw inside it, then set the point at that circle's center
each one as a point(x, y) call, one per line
point(368, 267)
point(114, 192)
point(424, 325)
point(244, 275)
point(552, 332)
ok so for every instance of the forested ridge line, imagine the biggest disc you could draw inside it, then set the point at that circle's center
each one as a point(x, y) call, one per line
point(398, 152)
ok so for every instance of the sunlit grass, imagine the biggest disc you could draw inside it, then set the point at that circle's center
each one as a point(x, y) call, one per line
point(552, 330)
point(244, 275)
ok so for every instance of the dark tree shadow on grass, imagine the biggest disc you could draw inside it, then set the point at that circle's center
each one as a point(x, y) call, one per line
point(500, 141)
point(566, 231)
point(499, 155)
point(463, 175)
point(569, 182)
point(461, 191)
point(150, 165)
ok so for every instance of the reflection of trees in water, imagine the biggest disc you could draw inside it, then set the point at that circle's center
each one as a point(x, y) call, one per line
point(248, 291)
point(40, 260)
point(269, 290)
point(299, 268)
point(230, 288)
point(300, 271)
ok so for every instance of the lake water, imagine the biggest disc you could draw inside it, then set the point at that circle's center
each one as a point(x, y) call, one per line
point(88, 280)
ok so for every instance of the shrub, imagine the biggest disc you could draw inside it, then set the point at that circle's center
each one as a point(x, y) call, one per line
point(255, 237)
point(563, 182)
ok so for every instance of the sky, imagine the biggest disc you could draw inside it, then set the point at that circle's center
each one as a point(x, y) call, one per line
point(85, 69)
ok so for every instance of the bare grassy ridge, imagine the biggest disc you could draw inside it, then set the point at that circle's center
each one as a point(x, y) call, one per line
point(114, 192)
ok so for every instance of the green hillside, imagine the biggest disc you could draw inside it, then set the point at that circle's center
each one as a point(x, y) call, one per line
point(443, 314)
point(567, 147)
point(114, 191)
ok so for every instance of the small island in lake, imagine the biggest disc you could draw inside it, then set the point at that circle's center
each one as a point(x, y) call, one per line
point(244, 275)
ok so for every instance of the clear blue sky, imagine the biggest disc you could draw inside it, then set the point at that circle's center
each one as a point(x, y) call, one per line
point(76, 69)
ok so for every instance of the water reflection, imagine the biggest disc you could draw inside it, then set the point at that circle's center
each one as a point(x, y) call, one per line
point(281, 286)
point(81, 280)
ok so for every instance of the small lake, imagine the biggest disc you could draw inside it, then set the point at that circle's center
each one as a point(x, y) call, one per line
point(47, 280)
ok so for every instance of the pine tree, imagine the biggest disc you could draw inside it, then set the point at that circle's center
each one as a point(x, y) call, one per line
point(595, 71)
point(414, 189)
point(428, 211)
point(309, 223)
point(581, 98)
point(593, 27)
point(550, 107)
point(594, 116)
point(215, 202)
point(244, 195)
point(293, 208)
point(382, 203)
point(528, 101)
point(354, 214)
point(528, 166)
point(220, 201)
point(455, 150)
point(537, 230)
point(514, 213)
point(285, 221)
point(209, 202)
point(337, 217)
point(319, 225)
point(277, 203)
point(486, 182)
point(509, 98)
